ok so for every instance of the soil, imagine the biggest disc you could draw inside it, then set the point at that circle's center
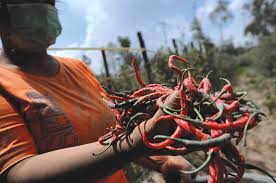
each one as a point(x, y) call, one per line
point(261, 141)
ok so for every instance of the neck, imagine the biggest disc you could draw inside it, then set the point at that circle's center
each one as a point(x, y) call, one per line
point(23, 59)
point(40, 64)
point(20, 58)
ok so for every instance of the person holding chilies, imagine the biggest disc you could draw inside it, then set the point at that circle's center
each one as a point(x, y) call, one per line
point(52, 112)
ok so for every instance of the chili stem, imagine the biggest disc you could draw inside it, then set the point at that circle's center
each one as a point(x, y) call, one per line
point(246, 127)
point(203, 165)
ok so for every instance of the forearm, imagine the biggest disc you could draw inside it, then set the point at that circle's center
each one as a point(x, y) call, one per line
point(74, 164)
point(79, 164)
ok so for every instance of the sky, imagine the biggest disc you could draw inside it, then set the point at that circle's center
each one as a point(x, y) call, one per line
point(96, 23)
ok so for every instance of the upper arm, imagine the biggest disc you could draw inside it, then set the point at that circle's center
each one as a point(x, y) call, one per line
point(16, 143)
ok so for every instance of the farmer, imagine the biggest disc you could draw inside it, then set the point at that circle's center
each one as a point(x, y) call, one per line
point(52, 112)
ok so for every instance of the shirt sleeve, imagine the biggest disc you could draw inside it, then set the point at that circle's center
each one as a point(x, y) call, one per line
point(16, 143)
point(90, 75)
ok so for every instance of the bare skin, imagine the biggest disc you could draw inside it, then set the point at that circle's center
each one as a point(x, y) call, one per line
point(77, 164)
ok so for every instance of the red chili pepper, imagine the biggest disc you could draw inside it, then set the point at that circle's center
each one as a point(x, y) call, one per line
point(183, 99)
point(177, 133)
point(107, 136)
point(205, 85)
point(192, 79)
point(226, 88)
point(215, 133)
point(197, 124)
point(226, 96)
point(191, 129)
point(189, 85)
point(232, 107)
point(212, 173)
point(144, 91)
point(137, 75)
point(201, 85)
point(172, 58)
point(181, 95)
point(235, 124)
point(149, 97)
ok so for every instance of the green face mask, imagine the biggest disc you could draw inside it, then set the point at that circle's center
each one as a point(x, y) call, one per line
point(34, 26)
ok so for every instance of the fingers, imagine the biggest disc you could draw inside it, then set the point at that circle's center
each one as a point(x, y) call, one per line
point(170, 169)
point(172, 99)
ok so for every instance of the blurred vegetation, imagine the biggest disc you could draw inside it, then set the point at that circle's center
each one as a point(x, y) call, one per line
point(255, 62)
point(221, 15)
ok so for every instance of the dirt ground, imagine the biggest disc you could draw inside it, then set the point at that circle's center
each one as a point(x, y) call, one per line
point(261, 141)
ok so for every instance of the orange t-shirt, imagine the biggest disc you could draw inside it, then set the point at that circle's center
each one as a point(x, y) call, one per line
point(42, 114)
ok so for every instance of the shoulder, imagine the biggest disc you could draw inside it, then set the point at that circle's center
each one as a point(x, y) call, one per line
point(76, 66)
point(73, 63)
point(81, 71)
point(70, 61)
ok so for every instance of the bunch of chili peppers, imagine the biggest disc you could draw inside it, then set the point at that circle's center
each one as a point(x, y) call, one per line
point(211, 120)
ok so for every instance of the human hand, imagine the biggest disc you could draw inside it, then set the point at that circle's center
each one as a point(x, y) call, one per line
point(170, 166)
point(145, 131)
